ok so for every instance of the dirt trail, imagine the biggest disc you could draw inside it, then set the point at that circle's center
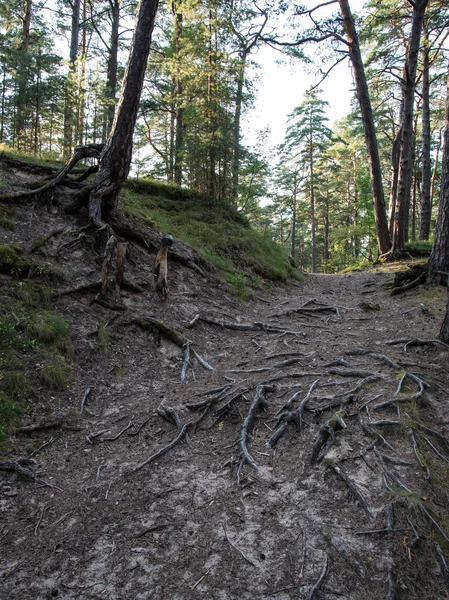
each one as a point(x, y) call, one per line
point(197, 522)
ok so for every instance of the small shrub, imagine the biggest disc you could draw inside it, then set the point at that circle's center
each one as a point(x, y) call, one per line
point(10, 413)
point(237, 280)
point(48, 328)
point(55, 374)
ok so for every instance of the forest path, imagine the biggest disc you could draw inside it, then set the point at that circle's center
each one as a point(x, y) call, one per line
point(197, 522)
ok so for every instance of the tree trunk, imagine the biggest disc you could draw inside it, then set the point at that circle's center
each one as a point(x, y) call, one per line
point(312, 206)
point(326, 253)
point(383, 237)
point(294, 210)
point(444, 331)
point(179, 111)
point(394, 178)
point(111, 79)
point(115, 159)
point(439, 258)
point(23, 76)
point(70, 87)
point(407, 138)
point(211, 110)
point(426, 203)
point(236, 131)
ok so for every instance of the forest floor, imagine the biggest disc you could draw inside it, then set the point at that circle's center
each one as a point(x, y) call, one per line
point(351, 502)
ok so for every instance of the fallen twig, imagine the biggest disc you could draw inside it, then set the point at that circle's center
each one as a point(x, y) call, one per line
point(172, 444)
point(42, 446)
point(116, 437)
point(248, 560)
point(319, 582)
point(83, 399)
point(354, 490)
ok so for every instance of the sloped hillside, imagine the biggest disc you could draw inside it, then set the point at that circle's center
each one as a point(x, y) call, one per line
point(292, 445)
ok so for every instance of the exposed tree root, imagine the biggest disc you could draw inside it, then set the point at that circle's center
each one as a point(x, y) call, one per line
point(95, 286)
point(259, 401)
point(353, 489)
point(149, 240)
point(278, 365)
point(352, 373)
point(181, 435)
point(415, 342)
point(418, 454)
point(319, 582)
point(407, 398)
point(64, 422)
point(443, 564)
point(305, 309)
point(295, 417)
point(326, 436)
point(250, 326)
point(161, 268)
point(392, 587)
point(44, 239)
point(21, 467)
point(172, 335)
point(83, 399)
point(89, 151)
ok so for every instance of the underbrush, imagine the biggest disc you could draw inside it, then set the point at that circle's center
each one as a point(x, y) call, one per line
point(34, 350)
point(219, 234)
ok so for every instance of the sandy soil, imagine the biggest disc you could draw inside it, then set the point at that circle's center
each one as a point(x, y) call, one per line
point(198, 521)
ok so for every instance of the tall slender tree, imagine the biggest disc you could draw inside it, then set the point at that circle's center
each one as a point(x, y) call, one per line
point(369, 128)
point(407, 131)
point(115, 160)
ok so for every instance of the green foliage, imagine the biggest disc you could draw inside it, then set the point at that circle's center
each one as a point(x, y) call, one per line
point(33, 341)
point(237, 280)
point(219, 233)
point(419, 248)
point(13, 263)
point(54, 375)
point(6, 215)
point(10, 413)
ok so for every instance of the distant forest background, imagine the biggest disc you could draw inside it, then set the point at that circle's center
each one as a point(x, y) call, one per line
point(62, 63)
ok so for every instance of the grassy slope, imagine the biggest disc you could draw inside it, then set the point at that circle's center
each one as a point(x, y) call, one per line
point(219, 234)
point(34, 341)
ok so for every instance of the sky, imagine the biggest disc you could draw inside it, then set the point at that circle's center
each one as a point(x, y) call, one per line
point(281, 88)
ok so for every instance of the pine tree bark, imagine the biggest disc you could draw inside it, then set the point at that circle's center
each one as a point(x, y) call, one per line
point(23, 77)
point(383, 237)
point(70, 86)
point(111, 78)
point(426, 204)
point(439, 258)
point(407, 138)
point(115, 160)
point(179, 111)
point(444, 331)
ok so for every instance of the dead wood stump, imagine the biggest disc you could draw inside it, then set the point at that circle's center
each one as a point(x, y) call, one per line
point(161, 268)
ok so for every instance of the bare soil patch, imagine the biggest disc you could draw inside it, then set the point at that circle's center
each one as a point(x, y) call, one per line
point(367, 520)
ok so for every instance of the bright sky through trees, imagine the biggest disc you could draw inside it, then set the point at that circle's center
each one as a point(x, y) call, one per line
point(281, 86)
